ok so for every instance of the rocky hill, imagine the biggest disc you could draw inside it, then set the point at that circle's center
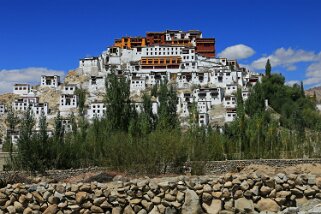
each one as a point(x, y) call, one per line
point(317, 91)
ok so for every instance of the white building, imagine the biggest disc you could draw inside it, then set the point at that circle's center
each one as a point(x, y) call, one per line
point(89, 65)
point(203, 119)
point(229, 101)
point(208, 96)
point(137, 84)
point(39, 108)
point(230, 114)
point(97, 84)
point(185, 100)
point(69, 89)
point(21, 89)
point(51, 81)
point(231, 89)
point(68, 101)
point(66, 125)
point(96, 110)
point(245, 94)
point(2, 109)
point(319, 107)
point(22, 104)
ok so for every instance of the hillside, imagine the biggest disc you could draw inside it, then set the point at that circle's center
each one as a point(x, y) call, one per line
point(317, 91)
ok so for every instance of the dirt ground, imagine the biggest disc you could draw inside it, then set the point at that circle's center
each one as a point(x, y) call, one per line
point(298, 169)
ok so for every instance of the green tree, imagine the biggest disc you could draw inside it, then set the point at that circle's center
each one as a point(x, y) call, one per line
point(268, 68)
point(117, 102)
point(12, 121)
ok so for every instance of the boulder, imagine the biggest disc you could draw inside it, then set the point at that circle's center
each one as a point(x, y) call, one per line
point(214, 208)
point(51, 209)
point(81, 197)
point(244, 205)
point(267, 204)
point(191, 205)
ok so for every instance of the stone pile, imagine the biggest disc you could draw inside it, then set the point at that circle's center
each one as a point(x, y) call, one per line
point(228, 194)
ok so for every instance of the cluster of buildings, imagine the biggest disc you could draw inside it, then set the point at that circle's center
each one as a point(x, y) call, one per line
point(184, 58)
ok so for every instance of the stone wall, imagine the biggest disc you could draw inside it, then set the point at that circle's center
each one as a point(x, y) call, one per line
point(226, 194)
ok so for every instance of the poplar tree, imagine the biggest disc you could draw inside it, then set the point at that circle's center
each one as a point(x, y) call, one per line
point(26, 152)
point(117, 102)
point(268, 68)
point(12, 121)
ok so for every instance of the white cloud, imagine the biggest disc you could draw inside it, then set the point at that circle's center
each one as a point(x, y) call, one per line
point(239, 51)
point(286, 58)
point(292, 82)
point(313, 74)
point(23, 75)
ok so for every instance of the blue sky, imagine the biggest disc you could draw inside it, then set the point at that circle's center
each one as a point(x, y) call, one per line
point(39, 36)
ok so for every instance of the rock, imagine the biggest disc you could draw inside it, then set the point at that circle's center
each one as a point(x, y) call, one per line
point(217, 187)
point(74, 207)
point(176, 204)
point(191, 205)
point(229, 205)
point(63, 204)
point(154, 211)
point(226, 193)
point(85, 188)
point(228, 184)
point(18, 206)
point(214, 207)
point(236, 181)
point(156, 200)
point(117, 210)
point(161, 208)
point(315, 210)
point(170, 197)
point(207, 188)
point(318, 182)
point(238, 194)
point(81, 197)
point(142, 212)
point(28, 210)
point(60, 188)
point(244, 186)
point(51, 209)
point(265, 190)
point(170, 210)
point(247, 194)
point(128, 210)
point(217, 194)
point(270, 183)
point(180, 196)
point(244, 205)
point(59, 195)
point(283, 194)
point(311, 179)
point(309, 192)
point(206, 197)
point(147, 205)
point(99, 201)
point(267, 204)
point(11, 210)
point(164, 185)
point(291, 210)
point(53, 200)
point(135, 201)
point(38, 197)
point(255, 190)
point(296, 192)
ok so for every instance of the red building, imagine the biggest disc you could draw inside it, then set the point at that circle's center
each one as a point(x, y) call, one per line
point(155, 38)
point(205, 47)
